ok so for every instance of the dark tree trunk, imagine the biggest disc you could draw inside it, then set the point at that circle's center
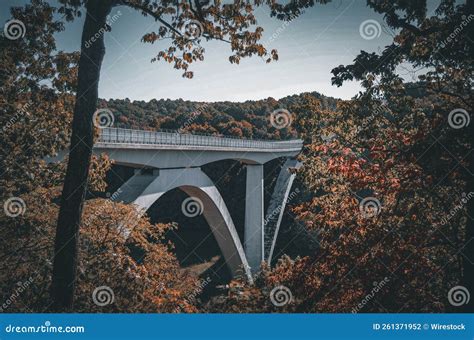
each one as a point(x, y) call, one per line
point(75, 183)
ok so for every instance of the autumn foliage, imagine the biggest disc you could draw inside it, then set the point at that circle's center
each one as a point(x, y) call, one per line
point(383, 190)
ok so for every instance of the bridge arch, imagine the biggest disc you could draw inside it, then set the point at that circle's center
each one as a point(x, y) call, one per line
point(198, 185)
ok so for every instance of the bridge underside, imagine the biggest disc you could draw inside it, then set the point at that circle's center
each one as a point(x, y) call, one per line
point(185, 158)
point(144, 190)
point(243, 260)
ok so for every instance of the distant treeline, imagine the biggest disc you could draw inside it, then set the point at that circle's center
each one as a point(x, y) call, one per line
point(250, 119)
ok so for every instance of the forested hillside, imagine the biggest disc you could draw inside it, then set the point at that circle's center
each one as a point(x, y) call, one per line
point(248, 119)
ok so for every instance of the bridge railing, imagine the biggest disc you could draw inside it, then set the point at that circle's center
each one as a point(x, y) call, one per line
point(128, 136)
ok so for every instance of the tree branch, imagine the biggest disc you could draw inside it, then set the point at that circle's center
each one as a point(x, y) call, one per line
point(148, 11)
point(412, 28)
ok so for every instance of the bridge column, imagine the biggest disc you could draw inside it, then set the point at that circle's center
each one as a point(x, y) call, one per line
point(253, 233)
point(276, 207)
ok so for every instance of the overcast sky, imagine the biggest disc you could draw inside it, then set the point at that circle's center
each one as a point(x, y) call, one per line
point(325, 36)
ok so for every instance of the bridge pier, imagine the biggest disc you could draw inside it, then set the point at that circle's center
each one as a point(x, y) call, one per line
point(254, 205)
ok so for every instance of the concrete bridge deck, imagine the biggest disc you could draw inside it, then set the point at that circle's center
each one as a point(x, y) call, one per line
point(163, 150)
point(127, 138)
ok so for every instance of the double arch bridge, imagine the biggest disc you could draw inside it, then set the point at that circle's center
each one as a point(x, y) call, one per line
point(176, 160)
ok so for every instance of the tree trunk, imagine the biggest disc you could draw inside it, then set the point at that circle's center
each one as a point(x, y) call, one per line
point(80, 151)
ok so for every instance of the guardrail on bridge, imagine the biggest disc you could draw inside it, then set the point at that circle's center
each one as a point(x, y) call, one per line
point(129, 136)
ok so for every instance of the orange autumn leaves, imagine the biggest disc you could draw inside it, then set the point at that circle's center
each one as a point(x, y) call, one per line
point(140, 269)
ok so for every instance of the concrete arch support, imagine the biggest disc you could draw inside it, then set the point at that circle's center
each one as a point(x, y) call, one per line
point(280, 197)
point(197, 184)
